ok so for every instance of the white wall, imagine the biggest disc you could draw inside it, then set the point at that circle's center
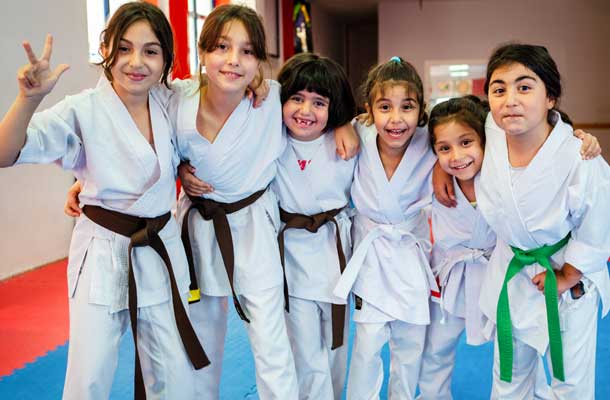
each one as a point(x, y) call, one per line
point(33, 228)
point(575, 32)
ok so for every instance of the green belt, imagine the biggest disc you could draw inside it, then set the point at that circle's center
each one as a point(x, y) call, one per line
point(521, 259)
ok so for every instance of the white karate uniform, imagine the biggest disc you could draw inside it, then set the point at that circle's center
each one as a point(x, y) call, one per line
point(389, 268)
point(239, 162)
point(557, 193)
point(93, 135)
point(462, 245)
point(312, 262)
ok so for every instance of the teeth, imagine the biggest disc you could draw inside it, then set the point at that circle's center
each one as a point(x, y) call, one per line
point(303, 122)
point(463, 166)
point(395, 131)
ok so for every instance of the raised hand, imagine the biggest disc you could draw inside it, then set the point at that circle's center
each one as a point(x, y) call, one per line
point(36, 79)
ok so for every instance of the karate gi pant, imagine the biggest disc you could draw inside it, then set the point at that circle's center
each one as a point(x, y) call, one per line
point(321, 372)
point(273, 361)
point(366, 366)
point(95, 334)
point(209, 319)
point(438, 361)
point(579, 339)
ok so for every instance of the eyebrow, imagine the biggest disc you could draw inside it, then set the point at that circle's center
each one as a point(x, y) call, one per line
point(519, 79)
point(229, 40)
point(405, 99)
point(145, 44)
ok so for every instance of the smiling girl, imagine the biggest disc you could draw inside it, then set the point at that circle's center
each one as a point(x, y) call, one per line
point(548, 271)
point(116, 139)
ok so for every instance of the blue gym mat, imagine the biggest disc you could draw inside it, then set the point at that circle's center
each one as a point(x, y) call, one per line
point(43, 379)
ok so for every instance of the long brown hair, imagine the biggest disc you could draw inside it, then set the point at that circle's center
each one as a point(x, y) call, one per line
point(122, 19)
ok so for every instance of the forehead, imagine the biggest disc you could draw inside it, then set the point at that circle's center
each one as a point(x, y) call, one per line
point(452, 130)
point(235, 30)
point(310, 94)
point(394, 90)
point(511, 72)
point(140, 32)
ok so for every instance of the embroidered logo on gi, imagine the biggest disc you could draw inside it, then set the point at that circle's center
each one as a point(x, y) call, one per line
point(303, 164)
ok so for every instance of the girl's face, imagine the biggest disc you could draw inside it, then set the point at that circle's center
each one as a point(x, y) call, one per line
point(518, 100)
point(306, 114)
point(395, 114)
point(231, 66)
point(139, 63)
point(459, 149)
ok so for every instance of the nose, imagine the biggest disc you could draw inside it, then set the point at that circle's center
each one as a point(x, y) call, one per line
point(233, 56)
point(395, 115)
point(456, 154)
point(306, 107)
point(511, 97)
point(136, 59)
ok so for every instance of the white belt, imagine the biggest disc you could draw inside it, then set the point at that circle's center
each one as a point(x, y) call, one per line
point(456, 255)
point(394, 232)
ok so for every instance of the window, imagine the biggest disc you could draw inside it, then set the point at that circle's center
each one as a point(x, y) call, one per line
point(448, 79)
point(98, 13)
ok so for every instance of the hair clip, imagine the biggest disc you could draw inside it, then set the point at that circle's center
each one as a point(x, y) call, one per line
point(396, 59)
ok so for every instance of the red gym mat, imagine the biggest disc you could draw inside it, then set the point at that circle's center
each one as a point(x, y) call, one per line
point(33, 315)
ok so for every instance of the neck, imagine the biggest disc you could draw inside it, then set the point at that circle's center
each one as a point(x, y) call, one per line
point(390, 157)
point(219, 102)
point(467, 187)
point(133, 102)
point(523, 148)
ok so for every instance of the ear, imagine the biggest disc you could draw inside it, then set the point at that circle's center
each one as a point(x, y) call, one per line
point(367, 107)
point(550, 103)
point(104, 50)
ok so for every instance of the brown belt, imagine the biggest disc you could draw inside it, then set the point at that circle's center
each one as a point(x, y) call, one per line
point(312, 223)
point(217, 212)
point(145, 232)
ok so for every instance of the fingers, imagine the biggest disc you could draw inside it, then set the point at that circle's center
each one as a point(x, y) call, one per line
point(29, 52)
point(48, 48)
point(59, 70)
point(538, 280)
point(341, 152)
point(451, 192)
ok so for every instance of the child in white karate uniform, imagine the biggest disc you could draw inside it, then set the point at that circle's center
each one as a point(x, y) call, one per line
point(546, 206)
point(463, 243)
point(312, 185)
point(116, 138)
point(389, 271)
point(231, 233)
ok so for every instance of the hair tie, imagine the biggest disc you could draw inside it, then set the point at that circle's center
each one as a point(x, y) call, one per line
point(396, 59)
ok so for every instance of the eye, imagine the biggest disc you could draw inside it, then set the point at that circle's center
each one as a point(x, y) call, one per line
point(248, 52)
point(222, 46)
point(467, 142)
point(524, 88)
point(151, 52)
point(408, 107)
point(319, 103)
point(442, 148)
point(497, 90)
point(123, 49)
point(384, 107)
point(296, 99)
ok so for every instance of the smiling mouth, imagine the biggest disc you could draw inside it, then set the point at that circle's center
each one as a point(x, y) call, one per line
point(303, 123)
point(463, 166)
point(136, 77)
point(395, 133)
point(231, 75)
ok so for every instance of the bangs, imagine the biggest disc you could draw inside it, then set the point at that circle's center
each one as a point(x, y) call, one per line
point(312, 78)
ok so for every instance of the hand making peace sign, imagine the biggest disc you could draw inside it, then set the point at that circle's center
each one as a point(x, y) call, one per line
point(36, 79)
